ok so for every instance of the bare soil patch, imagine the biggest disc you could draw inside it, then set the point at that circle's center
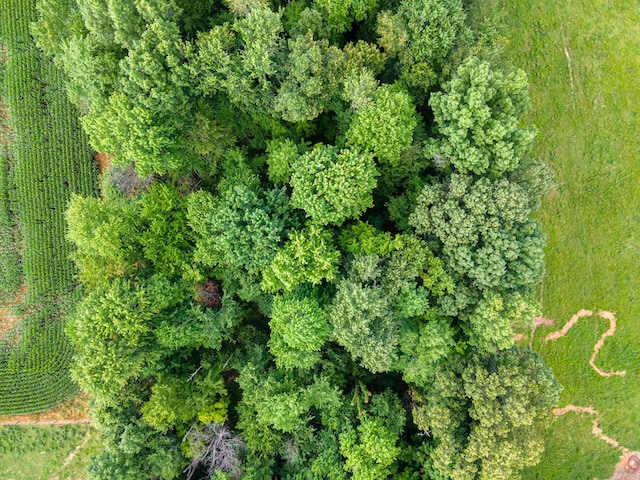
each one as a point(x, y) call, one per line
point(104, 161)
point(7, 318)
point(74, 411)
point(624, 468)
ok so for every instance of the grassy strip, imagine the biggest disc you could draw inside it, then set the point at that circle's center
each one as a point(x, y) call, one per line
point(582, 61)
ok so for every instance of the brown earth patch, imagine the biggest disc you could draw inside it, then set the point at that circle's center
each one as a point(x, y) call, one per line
point(103, 160)
point(624, 468)
point(71, 412)
point(7, 318)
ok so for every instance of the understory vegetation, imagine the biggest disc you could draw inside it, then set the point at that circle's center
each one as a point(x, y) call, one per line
point(314, 244)
point(44, 159)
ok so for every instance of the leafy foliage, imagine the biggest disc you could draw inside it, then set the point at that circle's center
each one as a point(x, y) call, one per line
point(485, 230)
point(332, 186)
point(294, 255)
point(507, 396)
point(384, 128)
point(478, 117)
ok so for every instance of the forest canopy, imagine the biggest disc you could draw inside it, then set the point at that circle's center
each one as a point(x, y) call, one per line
point(314, 243)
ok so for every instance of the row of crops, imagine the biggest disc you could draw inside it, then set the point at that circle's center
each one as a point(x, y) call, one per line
point(10, 269)
point(34, 363)
point(47, 160)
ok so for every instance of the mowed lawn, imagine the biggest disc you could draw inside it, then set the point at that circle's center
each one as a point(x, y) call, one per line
point(583, 62)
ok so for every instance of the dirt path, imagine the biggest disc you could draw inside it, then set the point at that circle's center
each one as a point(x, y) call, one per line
point(596, 348)
point(623, 469)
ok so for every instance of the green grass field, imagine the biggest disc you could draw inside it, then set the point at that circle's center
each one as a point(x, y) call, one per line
point(41, 453)
point(583, 62)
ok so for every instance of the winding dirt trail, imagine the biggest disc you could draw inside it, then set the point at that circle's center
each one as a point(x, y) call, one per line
point(624, 470)
point(596, 348)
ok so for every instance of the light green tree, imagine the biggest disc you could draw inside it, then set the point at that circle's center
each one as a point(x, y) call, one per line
point(333, 185)
point(384, 127)
point(478, 119)
point(487, 414)
point(309, 256)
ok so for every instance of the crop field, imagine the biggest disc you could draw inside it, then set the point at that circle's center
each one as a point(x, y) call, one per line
point(44, 161)
point(582, 60)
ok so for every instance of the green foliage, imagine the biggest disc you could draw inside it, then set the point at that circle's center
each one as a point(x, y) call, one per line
point(112, 331)
point(311, 76)
point(490, 326)
point(145, 120)
point(332, 186)
point(362, 316)
point(103, 233)
point(281, 155)
point(424, 343)
point(485, 230)
point(341, 14)
point(487, 414)
point(241, 230)
point(307, 257)
point(422, 33)
point(277, 254)
point(22, 439)
point(180, 402)
point(371, 448)
point(299, 327)
point(384, 128)
point(478, 118)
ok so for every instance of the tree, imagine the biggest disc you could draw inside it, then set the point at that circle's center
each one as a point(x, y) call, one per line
point(144, 121)
point(485, 231)
point(478, 119)
point(299, 329)
point(333, 185)
point(104, 234)
point(487, 414)
point(242, 230)
point(422, 33)
point(371, 448)
point(308, 257)
point(112, 331)
point(384, 128)
point(311, 76)
point(363, 318)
